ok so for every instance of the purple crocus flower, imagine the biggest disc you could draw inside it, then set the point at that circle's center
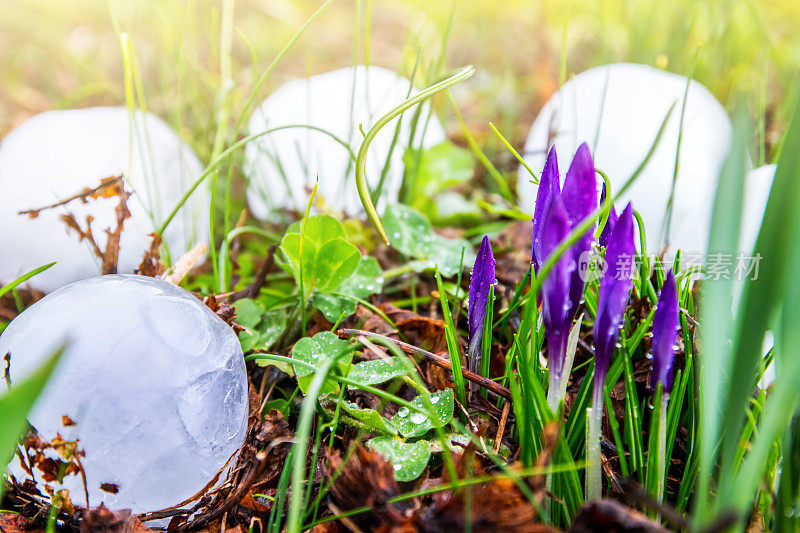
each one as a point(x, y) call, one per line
point(614, 289)
point(555, 289)
point(580, 199)
point(665, 328)
point(483, 277)
point(612, 220)
point(549, 188)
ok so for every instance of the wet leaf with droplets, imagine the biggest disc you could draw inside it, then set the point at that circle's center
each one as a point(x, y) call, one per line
point(314, 351)
point(417, 423)
point(412, 235)
point(377, 371)
point(408, 459)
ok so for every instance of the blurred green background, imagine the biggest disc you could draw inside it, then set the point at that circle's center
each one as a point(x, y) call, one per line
point(198, 59)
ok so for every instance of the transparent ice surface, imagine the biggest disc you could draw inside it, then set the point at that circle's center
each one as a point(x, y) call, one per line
point(283, 165)
point(618, 109)
point(154, 380)
point(56, 154)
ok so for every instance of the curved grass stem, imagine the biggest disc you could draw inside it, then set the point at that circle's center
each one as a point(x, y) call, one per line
point(361, 158)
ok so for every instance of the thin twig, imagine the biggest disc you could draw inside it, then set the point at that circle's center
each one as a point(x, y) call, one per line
point(487, 383)
point(501, 428)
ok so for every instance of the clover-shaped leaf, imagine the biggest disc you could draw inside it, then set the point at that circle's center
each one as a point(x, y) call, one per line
point(314, 350)
point(412, 235)
point(262, 327)
point(319, 228)
point(366, 418)
point(408, 459)
point(413, 423)
point(321, 252)
point(367, 279)
point(377, 371)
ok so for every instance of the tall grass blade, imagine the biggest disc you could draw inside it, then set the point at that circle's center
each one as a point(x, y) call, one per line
point(15, 405)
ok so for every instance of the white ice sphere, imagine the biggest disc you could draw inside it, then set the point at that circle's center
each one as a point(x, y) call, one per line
point(154, 380)
point(282, 166)
point(620, 128)
point(56, 154)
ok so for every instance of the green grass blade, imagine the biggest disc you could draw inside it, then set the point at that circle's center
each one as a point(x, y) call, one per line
point(17, 402)
point(23, 278)
point(716, 331)
point(361, 159)
point(452, 343)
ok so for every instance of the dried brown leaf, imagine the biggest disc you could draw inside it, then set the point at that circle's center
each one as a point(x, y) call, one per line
point(611, 516)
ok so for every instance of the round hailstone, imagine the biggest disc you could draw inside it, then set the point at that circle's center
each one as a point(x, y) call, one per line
point(620, 129)
point(154, 380)
point(57, 154)
point(282, 166)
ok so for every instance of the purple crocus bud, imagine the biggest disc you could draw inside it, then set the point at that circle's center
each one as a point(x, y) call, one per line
point(665, 329)
point(549, 188)
point(479, 285)
point(613, 297)
point(555, 288)
point(612, 219)
point(580, 199)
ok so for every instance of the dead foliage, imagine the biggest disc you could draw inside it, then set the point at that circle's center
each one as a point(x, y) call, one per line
point(600, 516)
point(112, 186)
point(151, 264)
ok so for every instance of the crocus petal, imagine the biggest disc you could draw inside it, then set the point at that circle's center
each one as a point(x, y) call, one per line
point(614, 288)
point(665, 329)
point(580, 200)
point(612, 220)
point(555, 288)
point(549, 188)
point(483, 277)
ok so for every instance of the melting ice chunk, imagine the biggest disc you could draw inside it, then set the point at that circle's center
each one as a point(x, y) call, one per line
point(283, 165)
point(57, 154)
point(618, 109)
point(153, 379)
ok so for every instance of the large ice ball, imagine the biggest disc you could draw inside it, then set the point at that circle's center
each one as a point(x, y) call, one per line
point(282, 165)
point(56, 154)
point(618, 109)
point(154, 380)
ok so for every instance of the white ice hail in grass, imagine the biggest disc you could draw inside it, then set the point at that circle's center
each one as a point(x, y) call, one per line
point(56, 154)
point(618, 109)
point(283, 165)
point(154, 380)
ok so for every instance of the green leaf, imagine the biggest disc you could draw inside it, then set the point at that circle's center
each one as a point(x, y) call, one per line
point(412, 235)
point(409, 459)
point(248, 312)
point(436, 169)
point(320, 229)
point(332, 305)
point(291, 247)
point(280, 365)
point(265, 332)
point(367, 279)
point(369, 419)
point(314, 351)
point(377, 371)
point(415, 424)
point(335, 261)
point(408, 229)
point(453, 209)
point(446, 254)
point(15, 405)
